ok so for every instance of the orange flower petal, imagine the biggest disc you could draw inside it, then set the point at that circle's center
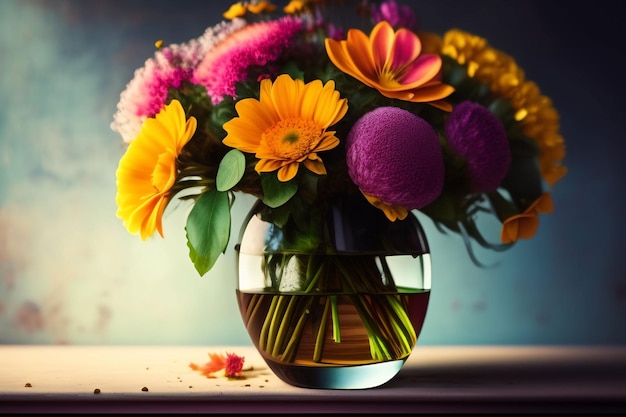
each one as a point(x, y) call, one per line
point(519, 226)
point(544, 204)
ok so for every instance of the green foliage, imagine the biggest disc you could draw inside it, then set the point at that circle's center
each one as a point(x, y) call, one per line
point(503, 208)
point(208, 229)
point(231, 170)
point(193, 98)
point(279, 215)
point(222, 113)
point(292, 69)
point(225, 110)
point(276, 193)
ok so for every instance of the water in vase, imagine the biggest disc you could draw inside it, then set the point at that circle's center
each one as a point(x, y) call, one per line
point(338, 338)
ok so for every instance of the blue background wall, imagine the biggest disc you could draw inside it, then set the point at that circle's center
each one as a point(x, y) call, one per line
point(70, 273)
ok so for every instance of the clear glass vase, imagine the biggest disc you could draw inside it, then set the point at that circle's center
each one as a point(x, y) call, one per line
point(337, 298)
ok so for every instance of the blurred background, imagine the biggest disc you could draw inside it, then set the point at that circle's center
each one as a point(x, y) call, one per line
point(71, 274)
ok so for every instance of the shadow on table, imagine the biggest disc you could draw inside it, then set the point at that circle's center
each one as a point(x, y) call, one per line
point(565, 371)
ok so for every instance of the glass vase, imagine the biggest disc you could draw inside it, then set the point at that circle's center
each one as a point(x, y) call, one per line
point(334, 297)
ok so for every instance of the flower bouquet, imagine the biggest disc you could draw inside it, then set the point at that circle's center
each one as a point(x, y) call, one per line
point(375, 119)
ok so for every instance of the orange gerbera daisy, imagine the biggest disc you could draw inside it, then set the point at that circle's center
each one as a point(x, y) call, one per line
point(392, 63)
point(287, 125)
point(147, 171)
point(525, 225)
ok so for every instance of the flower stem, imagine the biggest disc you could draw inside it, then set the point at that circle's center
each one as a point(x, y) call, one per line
point(367, 282)
point(283, 328)
point(321, 332)
point(291, 348)
point(335, 311)
point(265, 342)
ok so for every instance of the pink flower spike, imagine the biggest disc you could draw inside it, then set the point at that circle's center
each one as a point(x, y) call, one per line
point(254, 45)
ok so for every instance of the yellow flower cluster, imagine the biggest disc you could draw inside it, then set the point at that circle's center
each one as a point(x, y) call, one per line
point(535, 112)
point(505, 78)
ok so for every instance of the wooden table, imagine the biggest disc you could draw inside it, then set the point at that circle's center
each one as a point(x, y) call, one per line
point(158, 379)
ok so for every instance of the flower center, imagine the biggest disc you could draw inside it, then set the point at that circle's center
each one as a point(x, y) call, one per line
point(293, 138)
point(388, 78)
point(164, 172)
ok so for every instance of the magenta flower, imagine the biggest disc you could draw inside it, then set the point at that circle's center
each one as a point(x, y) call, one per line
point(397, 15)
point(392, 62)
point(478, 136)
point(254, 45)
point(234, 365)
point(395, 156)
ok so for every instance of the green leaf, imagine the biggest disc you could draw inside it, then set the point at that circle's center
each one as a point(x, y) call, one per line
point(208, 229)
point(280, 215)
point(222, 112)
point(444, 209)
point(231, 170)
point(502, 207)
point(292, 69)
point(276, 193)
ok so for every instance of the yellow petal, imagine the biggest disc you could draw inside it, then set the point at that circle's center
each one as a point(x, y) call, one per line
point(287, 172)
point(315, 166)
point(392, 212)
point(329, 108)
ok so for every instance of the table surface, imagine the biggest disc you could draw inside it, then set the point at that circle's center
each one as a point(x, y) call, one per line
point(138, 379)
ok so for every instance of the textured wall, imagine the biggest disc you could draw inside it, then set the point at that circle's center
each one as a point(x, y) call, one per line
point(70, 273)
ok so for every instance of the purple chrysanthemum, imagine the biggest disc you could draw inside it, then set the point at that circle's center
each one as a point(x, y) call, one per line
point(395, 156)
point(254, 45)
point(478, 136)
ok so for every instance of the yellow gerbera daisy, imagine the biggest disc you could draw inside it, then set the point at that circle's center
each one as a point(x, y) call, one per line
point(392, 62)
point(287, 125)
point(147, 171)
